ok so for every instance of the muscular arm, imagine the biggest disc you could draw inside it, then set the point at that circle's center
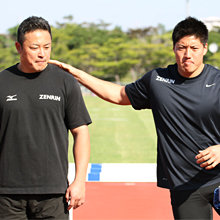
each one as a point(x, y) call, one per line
point(81, 150)
point(108, 91)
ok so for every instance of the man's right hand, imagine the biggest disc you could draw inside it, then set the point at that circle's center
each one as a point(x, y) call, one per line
point(68, 68)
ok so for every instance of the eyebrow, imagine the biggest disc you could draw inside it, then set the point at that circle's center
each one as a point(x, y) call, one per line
point(38, 44)
point(194, 45)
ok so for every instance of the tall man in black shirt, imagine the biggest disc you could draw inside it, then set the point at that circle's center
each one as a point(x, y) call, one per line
point(184, 99)
point(39, 103)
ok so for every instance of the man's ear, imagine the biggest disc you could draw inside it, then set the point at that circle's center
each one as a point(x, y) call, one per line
point(174, 48)
point(18, 47)
point(205, 49)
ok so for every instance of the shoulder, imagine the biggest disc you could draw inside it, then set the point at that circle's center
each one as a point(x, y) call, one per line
point(211, 72)
point(164, 71)
point(10, 69)
point(61, 74)
point(6, 72)
point(212, 69)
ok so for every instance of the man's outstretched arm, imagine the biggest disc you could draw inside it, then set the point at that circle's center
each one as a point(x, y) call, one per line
point(108, 91)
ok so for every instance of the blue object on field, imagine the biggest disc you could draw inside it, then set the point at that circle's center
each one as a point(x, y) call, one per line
point(216, 198)
point(95, 171)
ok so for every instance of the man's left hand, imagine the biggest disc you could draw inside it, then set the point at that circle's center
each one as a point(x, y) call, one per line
point(75, 195)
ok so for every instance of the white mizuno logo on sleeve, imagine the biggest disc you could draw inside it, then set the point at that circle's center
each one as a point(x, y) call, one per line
point(11, 98)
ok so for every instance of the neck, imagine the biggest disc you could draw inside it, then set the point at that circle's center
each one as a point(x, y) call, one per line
point(19, 67)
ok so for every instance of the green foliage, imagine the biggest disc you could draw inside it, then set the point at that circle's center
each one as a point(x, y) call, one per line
point(214, 37)
point(210, 58)
point(13, 32)
point(8, 55)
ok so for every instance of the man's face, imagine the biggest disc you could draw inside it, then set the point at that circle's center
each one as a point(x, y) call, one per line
point(35, 51)
point(189, 52)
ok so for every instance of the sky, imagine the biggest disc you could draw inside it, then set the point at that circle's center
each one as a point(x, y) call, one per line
point(123, 13)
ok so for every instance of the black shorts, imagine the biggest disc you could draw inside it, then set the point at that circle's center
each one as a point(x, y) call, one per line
point(33, 207)
point(194, 204)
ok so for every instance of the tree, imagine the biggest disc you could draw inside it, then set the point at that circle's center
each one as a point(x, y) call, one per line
point(13, 32)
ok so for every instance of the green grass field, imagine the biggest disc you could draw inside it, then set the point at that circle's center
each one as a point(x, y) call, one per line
point(119, 134)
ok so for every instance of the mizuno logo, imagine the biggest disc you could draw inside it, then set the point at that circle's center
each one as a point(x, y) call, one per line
point(11, 98)
point(50, 97)
point(207, 85)
point(161, 79)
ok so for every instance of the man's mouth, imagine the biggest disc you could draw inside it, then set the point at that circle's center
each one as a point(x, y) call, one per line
point(187, 62)
point(41, 61)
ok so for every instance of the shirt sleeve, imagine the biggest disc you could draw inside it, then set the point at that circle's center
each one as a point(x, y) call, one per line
point(76, 113)
point(139, 92)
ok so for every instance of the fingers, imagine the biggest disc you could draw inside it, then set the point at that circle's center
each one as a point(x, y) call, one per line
point(202, 158)
point(55, 62)
point(75, 203)
point(209, 163)
point(211, 166)
point(207, 159)
point(66, 67)
point(201, 154)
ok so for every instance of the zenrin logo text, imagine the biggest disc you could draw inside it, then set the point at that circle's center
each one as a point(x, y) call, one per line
point(50, 97)
point(159, 78)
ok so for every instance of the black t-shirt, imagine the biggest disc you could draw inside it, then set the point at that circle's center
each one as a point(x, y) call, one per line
point(186, 112)
point(36, 111)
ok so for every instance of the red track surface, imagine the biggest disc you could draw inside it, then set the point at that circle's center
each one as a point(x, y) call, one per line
point(127, 201)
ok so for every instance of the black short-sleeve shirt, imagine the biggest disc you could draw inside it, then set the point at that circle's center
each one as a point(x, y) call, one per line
point(186, 112)
point(36, 111)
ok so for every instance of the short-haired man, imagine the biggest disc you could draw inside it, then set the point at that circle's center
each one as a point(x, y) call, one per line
point(184, 99)
point(39, 103)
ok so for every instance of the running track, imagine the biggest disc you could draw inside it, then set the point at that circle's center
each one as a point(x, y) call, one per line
point(127, 201)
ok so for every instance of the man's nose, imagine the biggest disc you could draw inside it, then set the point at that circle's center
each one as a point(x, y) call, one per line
point(41, 52)
point(187, 52)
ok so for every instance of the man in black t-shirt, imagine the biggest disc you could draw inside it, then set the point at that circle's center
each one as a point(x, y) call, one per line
point(39, 104)
point(184, 99)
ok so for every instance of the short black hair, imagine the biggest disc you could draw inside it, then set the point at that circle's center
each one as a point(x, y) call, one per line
point(30, 24)
point(190, 27)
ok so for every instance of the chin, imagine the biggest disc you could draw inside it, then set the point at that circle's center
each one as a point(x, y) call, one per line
point(40, 68)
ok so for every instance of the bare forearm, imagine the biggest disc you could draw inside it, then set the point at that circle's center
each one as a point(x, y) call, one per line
point(81, 151)
point(81, 162)
point(108, 91)
point(75, 193)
